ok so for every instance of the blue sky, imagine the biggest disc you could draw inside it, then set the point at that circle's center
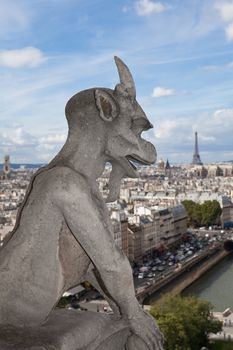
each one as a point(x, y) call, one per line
point(180, 53)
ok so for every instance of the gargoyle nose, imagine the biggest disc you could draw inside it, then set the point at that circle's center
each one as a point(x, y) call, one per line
point(148, 125)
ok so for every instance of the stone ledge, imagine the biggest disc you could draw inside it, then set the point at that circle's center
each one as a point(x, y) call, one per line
point(68, 330)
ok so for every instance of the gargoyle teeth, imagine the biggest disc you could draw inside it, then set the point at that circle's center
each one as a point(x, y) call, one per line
point(130, 161)
point(136, 159)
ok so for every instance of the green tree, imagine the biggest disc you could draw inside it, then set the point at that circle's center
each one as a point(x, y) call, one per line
point(194, 212)
point(211, 212)
point(205, 214)
point(197, 215)
point(185, 322)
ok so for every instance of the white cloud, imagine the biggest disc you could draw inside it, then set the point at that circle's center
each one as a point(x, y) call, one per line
point(46, 157)
point(165, 129)
point(161, 92)
point(25, 57)
point(15, 16)
point(226, 10)
point(24, 146)
point(176, 136)
point(229, 31)
point(49, 145)
point(224, 118)
point(17, 137)
point(215, 68)
point(210, 127)
point(147, 7)
point(53, 139)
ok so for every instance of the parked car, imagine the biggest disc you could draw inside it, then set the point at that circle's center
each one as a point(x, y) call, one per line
point(190, 252)
point(180, 257)
point(144, 269)
point(161, 268)
point(150, 275)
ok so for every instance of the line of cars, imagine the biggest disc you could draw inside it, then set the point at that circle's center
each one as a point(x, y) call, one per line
point(171, 259)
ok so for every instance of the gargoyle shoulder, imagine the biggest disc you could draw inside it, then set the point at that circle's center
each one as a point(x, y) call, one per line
point(63, 182)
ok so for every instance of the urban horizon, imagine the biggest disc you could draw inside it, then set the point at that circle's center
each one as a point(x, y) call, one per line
point(183, 73)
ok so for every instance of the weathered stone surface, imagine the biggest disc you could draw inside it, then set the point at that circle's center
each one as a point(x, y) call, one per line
point(63, 234)
point(68, 330)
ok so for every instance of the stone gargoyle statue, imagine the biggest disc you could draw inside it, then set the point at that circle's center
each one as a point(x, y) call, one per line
point(63, 234)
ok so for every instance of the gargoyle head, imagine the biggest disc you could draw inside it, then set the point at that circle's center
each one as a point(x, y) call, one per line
point(116, 121)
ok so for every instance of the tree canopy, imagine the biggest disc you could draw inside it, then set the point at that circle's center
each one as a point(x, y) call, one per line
point(205, 214)
point(185, 322)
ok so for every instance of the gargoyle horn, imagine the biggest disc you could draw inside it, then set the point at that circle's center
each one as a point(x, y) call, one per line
point(127, 85)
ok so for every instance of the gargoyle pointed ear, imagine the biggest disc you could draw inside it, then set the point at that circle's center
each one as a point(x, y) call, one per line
point(106, 104)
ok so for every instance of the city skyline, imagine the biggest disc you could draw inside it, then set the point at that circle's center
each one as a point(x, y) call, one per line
point(180, 55)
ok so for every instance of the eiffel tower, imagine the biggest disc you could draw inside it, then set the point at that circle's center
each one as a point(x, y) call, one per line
point(196, 155)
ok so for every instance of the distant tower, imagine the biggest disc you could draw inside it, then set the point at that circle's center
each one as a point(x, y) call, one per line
point(6, 166)
point(196, 155)
point(167, 168)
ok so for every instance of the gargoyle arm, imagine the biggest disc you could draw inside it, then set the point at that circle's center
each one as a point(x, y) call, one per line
point(93, 279)
point(86, 220)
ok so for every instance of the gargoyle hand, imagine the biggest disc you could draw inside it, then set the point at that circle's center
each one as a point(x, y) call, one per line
point(146, 335)
point(116, 175)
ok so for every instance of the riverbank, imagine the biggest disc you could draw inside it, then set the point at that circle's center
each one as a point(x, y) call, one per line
point(196, 273)
point(181, 278)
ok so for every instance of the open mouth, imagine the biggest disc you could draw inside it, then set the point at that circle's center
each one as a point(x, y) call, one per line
point(132, 159)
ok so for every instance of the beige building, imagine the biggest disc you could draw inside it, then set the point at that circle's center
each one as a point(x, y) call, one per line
point(212, 170)
point(180, 221)
point(135, 251)
point(156, 229)
point(149, 234)
point(165, 227)
point(125, 236)
point(117, 232)
point(227, 212)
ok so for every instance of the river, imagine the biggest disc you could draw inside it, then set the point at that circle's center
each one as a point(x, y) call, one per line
point(216, 285)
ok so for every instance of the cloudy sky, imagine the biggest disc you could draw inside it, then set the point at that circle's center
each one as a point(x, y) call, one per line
point(180, 53)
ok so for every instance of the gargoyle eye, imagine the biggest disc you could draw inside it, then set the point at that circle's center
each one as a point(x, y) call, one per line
point(141, 124)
